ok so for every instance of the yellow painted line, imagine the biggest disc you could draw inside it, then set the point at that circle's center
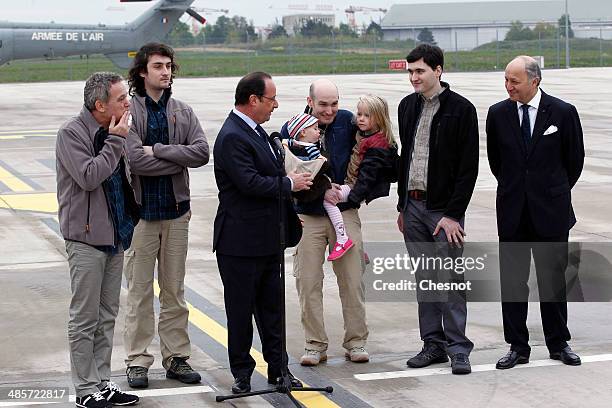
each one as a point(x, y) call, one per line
point(219, 333)
point(19, 137)
point(22, 134)
point(39, 202)
point(19, 132)
point(13, 182)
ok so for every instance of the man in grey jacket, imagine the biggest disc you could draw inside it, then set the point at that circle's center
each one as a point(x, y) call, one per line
point(165, 140)
point(97, 214)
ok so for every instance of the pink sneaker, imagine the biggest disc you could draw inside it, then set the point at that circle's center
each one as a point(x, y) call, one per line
point(339, 250)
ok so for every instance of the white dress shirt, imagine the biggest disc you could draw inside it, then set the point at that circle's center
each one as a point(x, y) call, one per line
point(253, 125)
point(534, 105)
point(246, 118)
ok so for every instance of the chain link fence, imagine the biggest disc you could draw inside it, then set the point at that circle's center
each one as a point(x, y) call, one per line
point(329, 55)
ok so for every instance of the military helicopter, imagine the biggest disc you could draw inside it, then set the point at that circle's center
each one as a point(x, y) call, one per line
point(117, 43)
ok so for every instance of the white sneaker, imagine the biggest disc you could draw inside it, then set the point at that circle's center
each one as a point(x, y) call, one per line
point(115, 396)
point(313, 357)
point(358, 355)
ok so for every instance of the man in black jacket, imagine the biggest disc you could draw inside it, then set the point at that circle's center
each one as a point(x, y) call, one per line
point(437, 173)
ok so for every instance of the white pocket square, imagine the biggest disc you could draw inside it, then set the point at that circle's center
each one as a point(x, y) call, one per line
point(551, 129)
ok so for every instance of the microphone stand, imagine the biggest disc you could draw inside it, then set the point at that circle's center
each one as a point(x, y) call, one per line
point(284, 384)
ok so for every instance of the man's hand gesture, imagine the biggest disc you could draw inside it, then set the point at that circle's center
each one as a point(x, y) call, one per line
point(122, 128)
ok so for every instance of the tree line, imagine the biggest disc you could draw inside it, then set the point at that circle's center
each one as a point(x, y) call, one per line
point(236, 29)
point(541, 31)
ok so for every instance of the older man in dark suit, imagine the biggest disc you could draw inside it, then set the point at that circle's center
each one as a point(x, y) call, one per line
point(536, 153)
point(246, 231)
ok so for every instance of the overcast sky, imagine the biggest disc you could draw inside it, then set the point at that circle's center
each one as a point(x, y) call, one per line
point(261, 12)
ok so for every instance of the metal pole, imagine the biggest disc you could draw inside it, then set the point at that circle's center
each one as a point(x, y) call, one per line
point(600, 46)
point(290, 49)
point(558, 47)
point(456, 53)
point(567, 46)
point(376, 54)
point(456, 47)
point(248, 52)
point(497, 47)
point(334, 51)
point(539, 42)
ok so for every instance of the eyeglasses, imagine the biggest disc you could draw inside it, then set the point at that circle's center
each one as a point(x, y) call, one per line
point(273, 99)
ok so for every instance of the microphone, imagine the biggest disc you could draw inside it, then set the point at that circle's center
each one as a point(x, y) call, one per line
point(275, 138)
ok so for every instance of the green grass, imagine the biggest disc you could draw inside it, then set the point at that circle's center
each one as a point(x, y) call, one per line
point(583, 52)
point(315, 57)
point(65, 69)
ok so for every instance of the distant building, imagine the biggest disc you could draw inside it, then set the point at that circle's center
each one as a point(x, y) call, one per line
point(464, 26)
point(294, 22)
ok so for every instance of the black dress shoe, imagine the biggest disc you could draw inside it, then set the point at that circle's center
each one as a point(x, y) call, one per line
point(430, 354)
point(567, 356)
point(295, 383)
point(241, 385)
point(511, 359)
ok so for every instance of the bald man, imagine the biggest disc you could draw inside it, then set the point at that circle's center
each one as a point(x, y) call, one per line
point(536, 153)
point(337, 141)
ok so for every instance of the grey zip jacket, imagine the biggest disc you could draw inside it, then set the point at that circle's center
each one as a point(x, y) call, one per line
point(188, 147)
point(83, 210)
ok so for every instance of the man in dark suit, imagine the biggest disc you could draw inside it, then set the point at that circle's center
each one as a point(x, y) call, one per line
point(246, 230)
point(536, 153)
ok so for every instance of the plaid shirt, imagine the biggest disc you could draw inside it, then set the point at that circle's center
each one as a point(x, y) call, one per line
point(158, 202)
point(417, 179)
point(124, 227)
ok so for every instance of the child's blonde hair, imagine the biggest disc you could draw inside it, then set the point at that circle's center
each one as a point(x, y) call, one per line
point(378, 109)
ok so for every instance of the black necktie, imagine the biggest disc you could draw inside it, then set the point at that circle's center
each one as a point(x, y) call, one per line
point(525, 125)
point(262, 133)
point(264, 136)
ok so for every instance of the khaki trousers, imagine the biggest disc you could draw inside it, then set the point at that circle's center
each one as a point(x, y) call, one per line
point(95, 282)
point(165, 241)
point(317, 236)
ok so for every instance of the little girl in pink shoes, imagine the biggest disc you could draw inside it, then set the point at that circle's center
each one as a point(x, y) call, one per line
point(370, 171)
point(371, 168)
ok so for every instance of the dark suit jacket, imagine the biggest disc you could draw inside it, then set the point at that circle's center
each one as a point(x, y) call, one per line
point(246, 171)
point(540, 175)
